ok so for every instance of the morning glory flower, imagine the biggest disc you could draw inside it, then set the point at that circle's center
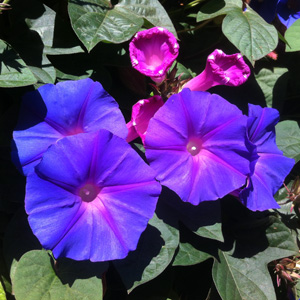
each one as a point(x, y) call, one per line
point(90, 197)
point(142, 112)
point(153, 51)
point(221, 69)
point(55, 111)
point(196, 144)
point(268, 165)
point(288, 11)
point(266, 8)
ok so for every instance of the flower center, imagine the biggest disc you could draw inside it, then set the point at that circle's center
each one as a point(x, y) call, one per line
point(194, 146)
point(89, 192)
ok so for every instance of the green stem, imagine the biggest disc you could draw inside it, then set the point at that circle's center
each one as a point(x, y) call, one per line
point(5, 2)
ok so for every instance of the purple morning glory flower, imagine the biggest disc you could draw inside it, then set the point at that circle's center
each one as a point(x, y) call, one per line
point(153, 51)
point(221, 69)
point(268, 165)
point(90, 197)
point(196, 144)
point(55, 111)
point(142, 112)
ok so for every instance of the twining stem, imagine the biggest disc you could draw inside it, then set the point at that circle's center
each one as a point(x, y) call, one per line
point(5, 2)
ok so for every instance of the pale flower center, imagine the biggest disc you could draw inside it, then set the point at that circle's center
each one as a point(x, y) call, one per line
point(194, 146)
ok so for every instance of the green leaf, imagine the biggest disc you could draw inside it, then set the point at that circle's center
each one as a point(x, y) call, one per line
point(56, 35)
point(243, 273)
point(35, 278)
point(97, 20)
point(2, 292)
point(184, 72)
point(30, 42)
point(292, 35)
point(273, 84)
point(215, 8)
point(13, 70)
point(249, 33)
point(188, 255)
point(154, 253)
point(45, 73)
point(288, 139)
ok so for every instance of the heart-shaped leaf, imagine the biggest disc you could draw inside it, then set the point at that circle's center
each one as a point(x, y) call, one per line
point(98, 20)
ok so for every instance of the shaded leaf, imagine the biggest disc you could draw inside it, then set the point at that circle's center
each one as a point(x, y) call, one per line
point(204, 219)
point(95, 21)
point(184, 72)
point(56, 35)
point(46, 72)
point(273, 84)
point(240, 274)
point(30, 43)
point(13, 70)
point(288, 139)
point(154, 253)
point(292, 36)
point(188, 255)
point(35, 278)
point(215, 8)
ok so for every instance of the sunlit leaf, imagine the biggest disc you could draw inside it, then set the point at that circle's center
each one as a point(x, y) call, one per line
point(288, 139)
point(292, 35)
point(250, 33)
point(38, 277)
point(98, 20)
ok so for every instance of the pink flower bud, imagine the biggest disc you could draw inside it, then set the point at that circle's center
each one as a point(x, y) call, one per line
point(221, 69)
point(153, 51)
point(142, 112)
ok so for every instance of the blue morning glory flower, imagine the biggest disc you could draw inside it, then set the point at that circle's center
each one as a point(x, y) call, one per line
point(55, 111)
point(268, 165)
point(288, 11)
point(90, 197)
point(196, 144)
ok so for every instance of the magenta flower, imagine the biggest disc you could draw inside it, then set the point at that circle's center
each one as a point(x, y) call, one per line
point(221, 69)
point(90, 197)
point(196, 144)
point(55, 111)
point(142, 112)
point(268, 165)
point(153, 51)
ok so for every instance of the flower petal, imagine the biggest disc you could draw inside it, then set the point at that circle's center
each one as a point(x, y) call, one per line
point(261, 128)
point(153, 51)
point(197, 119)
point(76, 226)
point(221, 69)
point(67, 108)
point(142, 112)
point(270, 171)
